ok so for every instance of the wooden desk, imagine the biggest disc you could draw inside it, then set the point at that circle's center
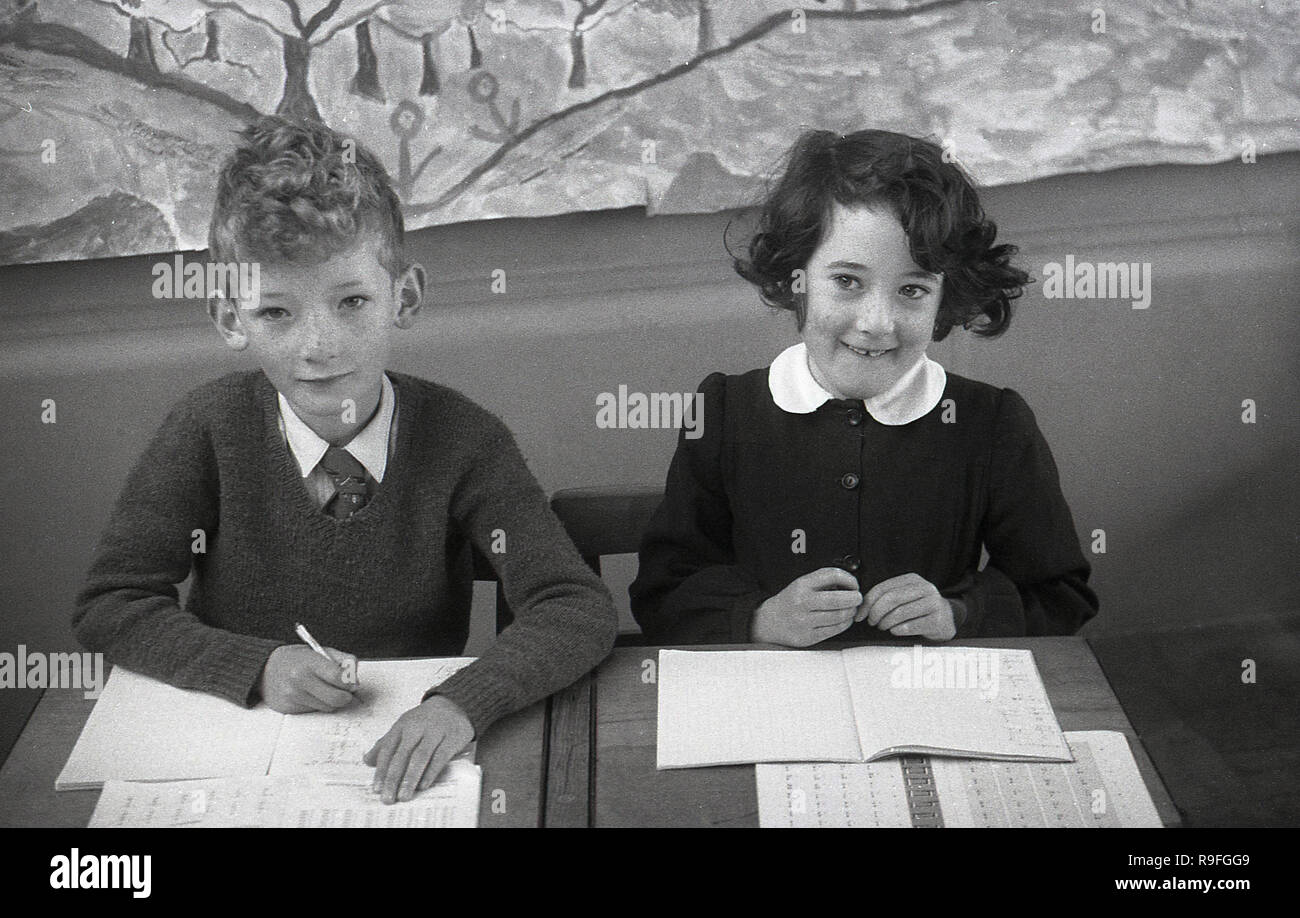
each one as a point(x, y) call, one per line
point(626, 790)
point(510, 753)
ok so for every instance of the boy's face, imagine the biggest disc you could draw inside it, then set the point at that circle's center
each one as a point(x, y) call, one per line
point(322, 333)
point(870, 309)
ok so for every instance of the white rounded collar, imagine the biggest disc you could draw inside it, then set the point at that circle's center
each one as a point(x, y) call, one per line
point(914, 396)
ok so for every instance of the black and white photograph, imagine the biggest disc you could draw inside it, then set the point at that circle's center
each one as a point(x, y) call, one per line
point(649, 414)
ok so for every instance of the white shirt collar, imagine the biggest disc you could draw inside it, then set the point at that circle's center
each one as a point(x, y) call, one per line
point(369, 446)
point(914, 396)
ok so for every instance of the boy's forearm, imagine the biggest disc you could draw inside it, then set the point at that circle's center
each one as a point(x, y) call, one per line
point(547, 648)
point(152, 635)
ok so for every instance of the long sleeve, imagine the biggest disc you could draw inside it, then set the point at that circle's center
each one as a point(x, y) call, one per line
point(564, 618)
point(689, 588)
point(1036, 579)
point(129, 609)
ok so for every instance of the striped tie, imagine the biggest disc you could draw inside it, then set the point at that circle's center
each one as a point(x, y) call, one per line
point(349, 477)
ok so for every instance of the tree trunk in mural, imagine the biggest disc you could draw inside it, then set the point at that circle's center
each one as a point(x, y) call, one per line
point(140, 50)
point(475, 56)
point(366, 81)
point(578, 71)
point(210, 29)
point(704, 39)
point(296, 101)
point(429, 85)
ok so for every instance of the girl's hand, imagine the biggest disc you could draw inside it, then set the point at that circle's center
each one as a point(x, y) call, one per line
point(811, 609)
point(909, 606)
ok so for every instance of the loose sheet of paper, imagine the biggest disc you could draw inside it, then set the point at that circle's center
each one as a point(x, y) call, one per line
point(331, 744)
point(978, 701)
point(287, 802)
point(1102, 787)
point(145, 730)
point(730, 707)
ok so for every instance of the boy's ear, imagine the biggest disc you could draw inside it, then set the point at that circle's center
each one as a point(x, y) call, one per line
point(224, 314)
point(410, 295)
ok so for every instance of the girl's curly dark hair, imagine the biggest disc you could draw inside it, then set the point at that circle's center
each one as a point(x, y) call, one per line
point(298, 191)
point(934, 200)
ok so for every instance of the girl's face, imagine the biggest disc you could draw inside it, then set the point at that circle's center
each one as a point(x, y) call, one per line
point(870, 309)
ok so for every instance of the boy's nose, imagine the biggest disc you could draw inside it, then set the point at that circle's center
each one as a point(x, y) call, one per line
point(319, 336)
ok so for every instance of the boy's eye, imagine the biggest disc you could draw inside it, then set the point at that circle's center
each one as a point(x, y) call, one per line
point(914, 291)
point(274, 313)
point(845, 281)
point(356, 301)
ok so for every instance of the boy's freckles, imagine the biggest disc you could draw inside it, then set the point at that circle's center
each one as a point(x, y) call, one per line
point(322, 334)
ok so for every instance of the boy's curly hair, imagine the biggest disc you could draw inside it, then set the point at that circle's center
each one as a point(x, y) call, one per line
point(935, 201)
point(297, 191)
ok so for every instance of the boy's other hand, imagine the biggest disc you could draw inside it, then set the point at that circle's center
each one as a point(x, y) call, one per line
point(411, 755)
point(296, 680)
point(813, 608)
point(909, 606)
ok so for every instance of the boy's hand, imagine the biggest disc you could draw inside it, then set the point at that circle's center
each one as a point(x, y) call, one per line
point(909, 606)
point(296, 679)
point(811, 609)
point(411, 755)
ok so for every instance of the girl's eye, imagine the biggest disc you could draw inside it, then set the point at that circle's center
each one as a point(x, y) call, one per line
point(273, 313)
point(914, 291)
point(846, 281)
point(356, 301)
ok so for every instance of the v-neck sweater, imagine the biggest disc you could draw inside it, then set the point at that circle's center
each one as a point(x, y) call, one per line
point(218, 496)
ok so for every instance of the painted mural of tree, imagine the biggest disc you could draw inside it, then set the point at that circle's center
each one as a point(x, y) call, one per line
point(425, 22)
point(298, 34)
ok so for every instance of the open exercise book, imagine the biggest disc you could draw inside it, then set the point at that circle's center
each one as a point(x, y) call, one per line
point(854, 705)
point(1101, 787)
point(143, 730)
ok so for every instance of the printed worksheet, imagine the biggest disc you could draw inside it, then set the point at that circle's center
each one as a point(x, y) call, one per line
point(1101, 787)
point(331, 745)
point(142, 729)
point(299, 801)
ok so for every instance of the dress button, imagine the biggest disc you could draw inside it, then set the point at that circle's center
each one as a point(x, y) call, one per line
point(855, 416)
point(849, 481)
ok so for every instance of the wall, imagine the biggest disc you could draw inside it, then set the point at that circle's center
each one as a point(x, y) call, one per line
point(1142, 407)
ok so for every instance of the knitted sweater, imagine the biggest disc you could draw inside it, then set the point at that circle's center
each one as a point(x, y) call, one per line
point(765, 496)
point(393, 580)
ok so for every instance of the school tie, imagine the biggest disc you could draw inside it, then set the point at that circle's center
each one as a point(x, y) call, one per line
point(349, 478)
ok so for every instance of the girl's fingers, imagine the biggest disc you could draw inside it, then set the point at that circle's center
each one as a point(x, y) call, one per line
point(830, 578)
point(834, 599)
point(908, 611)
point(891, 599)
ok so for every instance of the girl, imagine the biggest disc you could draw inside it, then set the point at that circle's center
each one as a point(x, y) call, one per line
point(848, 488)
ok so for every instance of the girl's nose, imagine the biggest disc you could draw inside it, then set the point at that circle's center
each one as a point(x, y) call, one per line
point(875, 317)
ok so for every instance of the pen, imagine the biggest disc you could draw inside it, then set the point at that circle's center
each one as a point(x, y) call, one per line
point(310, 641)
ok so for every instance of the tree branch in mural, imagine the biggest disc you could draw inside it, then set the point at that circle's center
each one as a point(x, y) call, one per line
point(760, 29)
point(63, 41)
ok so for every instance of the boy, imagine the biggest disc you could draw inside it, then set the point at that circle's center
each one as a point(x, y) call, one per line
point(324, 490)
